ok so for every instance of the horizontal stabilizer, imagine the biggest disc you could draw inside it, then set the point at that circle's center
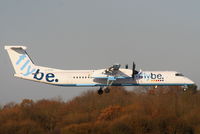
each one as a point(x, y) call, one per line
point(16, 47)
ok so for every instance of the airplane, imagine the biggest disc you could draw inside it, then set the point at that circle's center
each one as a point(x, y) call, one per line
point(103, 78)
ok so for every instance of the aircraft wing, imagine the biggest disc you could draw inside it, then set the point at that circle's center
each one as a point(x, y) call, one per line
point(111, 77)
point(102, 74)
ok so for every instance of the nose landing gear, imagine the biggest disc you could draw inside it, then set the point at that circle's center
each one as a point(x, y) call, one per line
point(185, 87)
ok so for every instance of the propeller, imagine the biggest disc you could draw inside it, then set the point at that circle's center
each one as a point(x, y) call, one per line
point(133, 71)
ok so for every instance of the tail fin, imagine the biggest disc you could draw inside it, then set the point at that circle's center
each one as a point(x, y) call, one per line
point(21, 62)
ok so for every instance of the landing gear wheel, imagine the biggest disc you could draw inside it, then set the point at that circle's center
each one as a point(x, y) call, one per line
point(185, 88)
point(100, 91)
point(107, 90)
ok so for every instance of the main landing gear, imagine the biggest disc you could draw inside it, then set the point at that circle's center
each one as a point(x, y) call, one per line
point(101, 90)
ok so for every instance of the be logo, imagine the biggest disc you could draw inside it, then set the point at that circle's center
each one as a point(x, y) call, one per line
point(156, 76)
point(50, 77)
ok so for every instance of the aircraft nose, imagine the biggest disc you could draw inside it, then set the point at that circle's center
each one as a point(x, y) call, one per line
point(190, 81)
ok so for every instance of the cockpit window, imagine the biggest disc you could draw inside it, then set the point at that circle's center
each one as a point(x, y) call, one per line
point(179, 74)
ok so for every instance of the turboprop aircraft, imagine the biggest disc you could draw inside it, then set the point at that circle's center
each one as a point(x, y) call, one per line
point(103, 78)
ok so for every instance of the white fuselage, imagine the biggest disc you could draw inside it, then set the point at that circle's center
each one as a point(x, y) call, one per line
point(99, 78)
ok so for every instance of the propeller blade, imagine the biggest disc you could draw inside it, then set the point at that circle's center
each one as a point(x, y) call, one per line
point(133, 71)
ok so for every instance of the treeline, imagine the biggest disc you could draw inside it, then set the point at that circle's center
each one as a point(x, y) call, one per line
point(166, 110)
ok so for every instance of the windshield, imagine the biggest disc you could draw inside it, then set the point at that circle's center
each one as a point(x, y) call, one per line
point(179, 74)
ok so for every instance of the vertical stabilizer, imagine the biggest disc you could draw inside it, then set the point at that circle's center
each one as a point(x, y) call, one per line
point(21, 62)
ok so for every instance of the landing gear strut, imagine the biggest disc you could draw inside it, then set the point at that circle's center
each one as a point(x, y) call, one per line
point(110, 81)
